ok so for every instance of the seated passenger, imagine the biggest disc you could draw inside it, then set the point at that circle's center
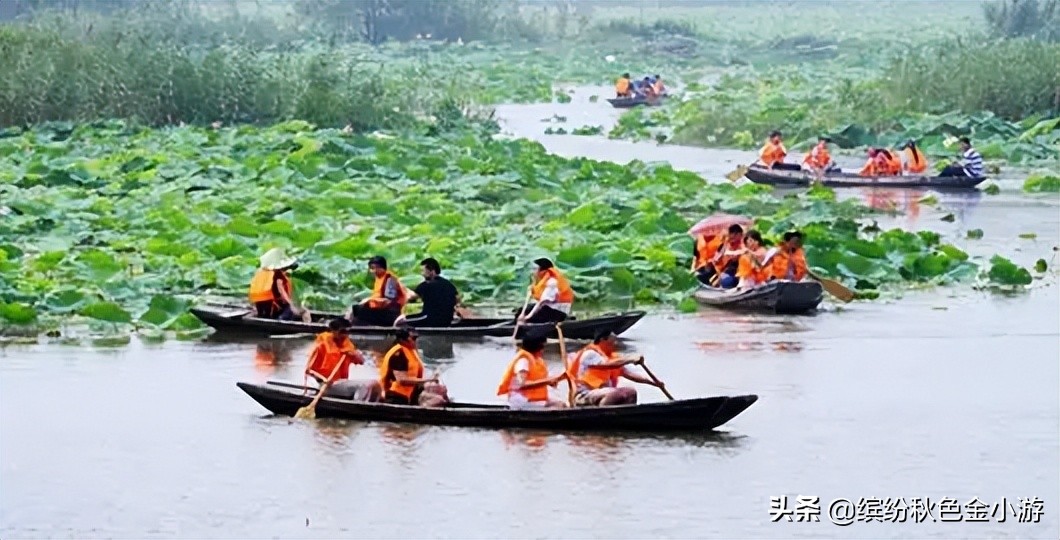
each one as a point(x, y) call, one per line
point(754, 268)
point(439, 298)
point(271, 292)
point(332, 349)
point(401, 375)
point(727, 259)
point(624, 87)
point(383, 307)
point(526, 379)
point(789, 261)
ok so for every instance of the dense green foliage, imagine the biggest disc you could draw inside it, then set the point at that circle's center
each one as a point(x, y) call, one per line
point(1037, 19)
point(112, 222)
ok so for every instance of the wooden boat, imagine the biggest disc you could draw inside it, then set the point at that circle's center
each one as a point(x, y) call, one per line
point(236, 318)
point(774, 296)
point(779, 177)
point(627, 103)
point(685, 414)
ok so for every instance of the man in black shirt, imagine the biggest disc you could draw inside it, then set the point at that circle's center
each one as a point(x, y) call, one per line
point(439, 298)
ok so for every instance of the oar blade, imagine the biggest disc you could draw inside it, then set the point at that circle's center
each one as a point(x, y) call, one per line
point(737, 173)
point(837, 289)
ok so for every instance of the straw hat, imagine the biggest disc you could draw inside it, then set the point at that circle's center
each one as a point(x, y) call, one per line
point(276, 259)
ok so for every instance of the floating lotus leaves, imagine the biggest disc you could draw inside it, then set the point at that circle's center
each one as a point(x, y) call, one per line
point(106, 311)
point(1005, 272)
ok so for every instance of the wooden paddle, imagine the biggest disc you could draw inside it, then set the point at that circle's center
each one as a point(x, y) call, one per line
point(566, 368)
point(834, 287)
point(737, 173)
point(518, 318)
point(309, 412)
point(655, 379)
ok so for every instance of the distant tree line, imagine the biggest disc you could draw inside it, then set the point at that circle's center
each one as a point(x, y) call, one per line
point(1036, 19)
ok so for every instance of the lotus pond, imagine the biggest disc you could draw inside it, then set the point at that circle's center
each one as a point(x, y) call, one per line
point(127, 226)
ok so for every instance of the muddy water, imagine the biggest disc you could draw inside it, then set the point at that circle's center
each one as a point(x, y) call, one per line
point(935, 394)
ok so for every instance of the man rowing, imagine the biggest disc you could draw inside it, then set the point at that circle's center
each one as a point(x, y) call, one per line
point(334, 350)
point(526, 379)
point(596, 370)
point(271, 291)
point(401, 375)
point(552, 294)
point(388, 297)
point(439, 296)
point(727, 259)
point(789, 262)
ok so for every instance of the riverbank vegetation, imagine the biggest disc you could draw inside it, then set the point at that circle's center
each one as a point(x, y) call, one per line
point(125, 224)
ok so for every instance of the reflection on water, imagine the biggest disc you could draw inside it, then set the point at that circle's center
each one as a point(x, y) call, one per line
point(907, 202)
point(752, 346)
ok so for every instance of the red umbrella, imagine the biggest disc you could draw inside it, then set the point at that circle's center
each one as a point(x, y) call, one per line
point(718, 224)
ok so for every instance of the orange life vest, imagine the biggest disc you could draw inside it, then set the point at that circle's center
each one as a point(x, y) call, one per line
point(379, 288)
point(783, 260)
point(706, 248)
point(538, 370)
point(892, 164)
point(415, 369)
point(594, 377)
point(914, 160)
point(772, 153)
point(818, 157)
point(748, 270)
point(622, 87)
point(261, 286)
point(326, 354)
point(727, 256)
point(565, 295)
point(658, 87)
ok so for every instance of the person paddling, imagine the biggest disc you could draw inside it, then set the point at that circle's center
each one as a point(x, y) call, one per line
point(332, 349)
point(789, 262)
point(526, 379)
point(271, 291)
point(596, 370)
point(552, 294)
point(439, 296)
point(401, 375)
point(388, 297)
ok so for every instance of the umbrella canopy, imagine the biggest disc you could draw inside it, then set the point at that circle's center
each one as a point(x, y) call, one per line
point(718, 224)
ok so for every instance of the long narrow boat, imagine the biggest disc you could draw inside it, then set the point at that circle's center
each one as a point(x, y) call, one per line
point(778, 177)
point(236, 318)
point(776, 296)
point(628, 103)
point(685, 414)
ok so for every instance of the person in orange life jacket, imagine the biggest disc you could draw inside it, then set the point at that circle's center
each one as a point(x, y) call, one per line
point(271, 291)
point(818, 160)
point(526, 379)
point(772, 153)
point(334, 347)
point(596, 370)
point(755, 267)
point(383, 307)
point(401, 375)
point(789, 262)
point(552, 293)
point(703, 251)
point(727, 259)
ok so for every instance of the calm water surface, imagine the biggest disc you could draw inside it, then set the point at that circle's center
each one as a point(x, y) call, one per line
point(949, 393)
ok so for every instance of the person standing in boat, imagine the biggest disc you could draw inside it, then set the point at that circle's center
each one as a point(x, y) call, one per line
point(271, 291)
point(624, 87)
point(971, 165)
point(401, 375)
point(332, 349)
point(789, 262)
point(439, 295)
point(552, 294)
point(596, 370)
point(915, 163)
point(727, 259)
point(755, 265)
point(818, 160)
point(526, 379)
point(388, 297)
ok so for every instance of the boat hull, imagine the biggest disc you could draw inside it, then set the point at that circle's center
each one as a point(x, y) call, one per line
point(237, 319)
point(761, 175)
point(775, 296)
point(628, 103)
point(681, 415)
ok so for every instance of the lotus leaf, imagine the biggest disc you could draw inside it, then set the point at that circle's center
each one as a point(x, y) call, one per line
point(1005, 272)
point(106, 311)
